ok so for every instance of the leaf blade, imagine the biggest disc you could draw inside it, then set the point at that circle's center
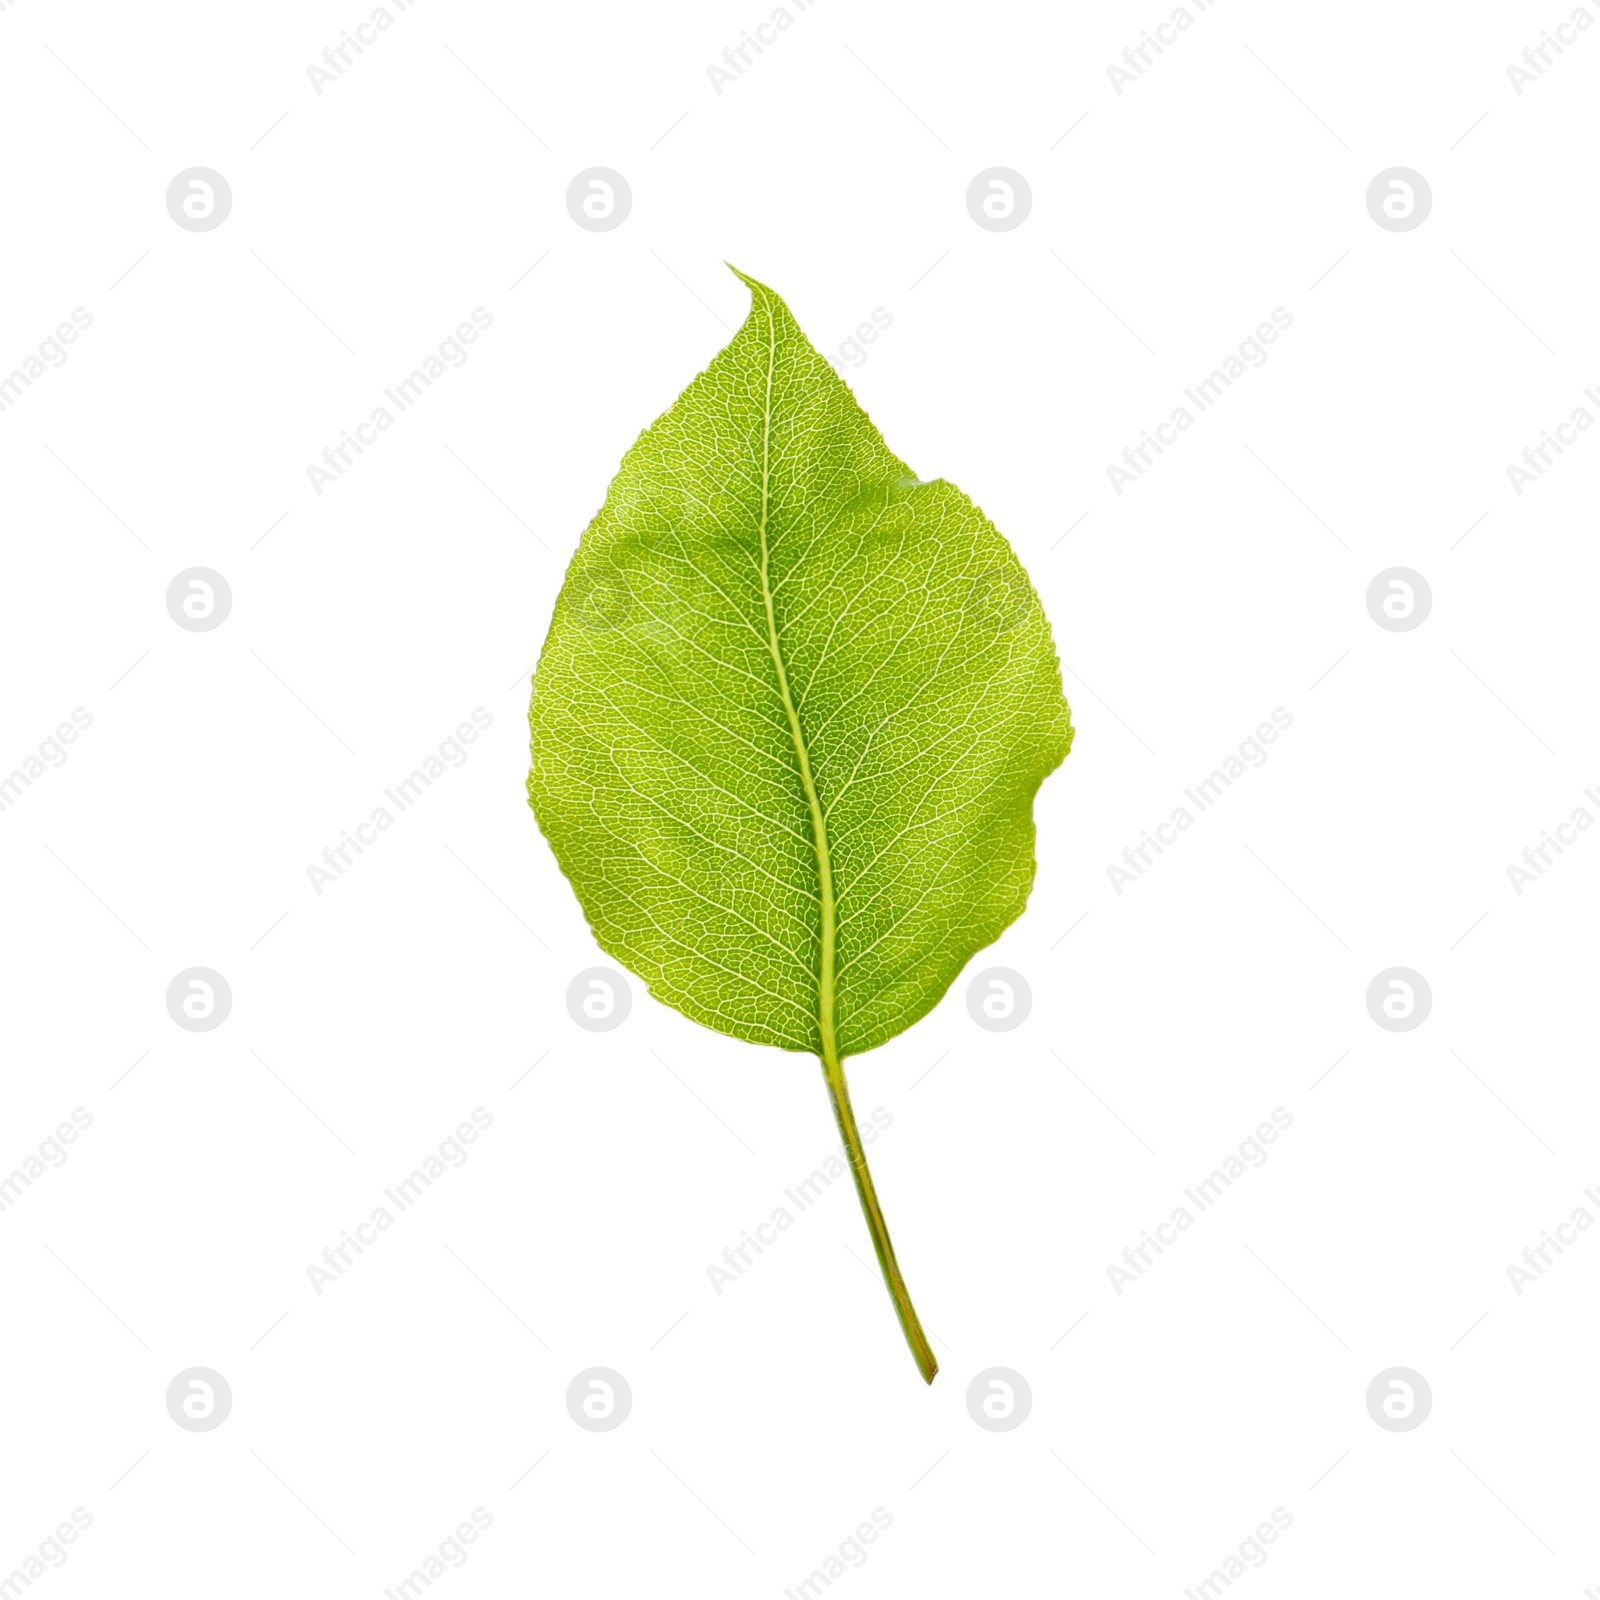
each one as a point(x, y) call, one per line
point(769, 593)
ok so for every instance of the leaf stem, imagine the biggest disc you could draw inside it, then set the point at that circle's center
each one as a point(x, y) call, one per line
point(839, 1094)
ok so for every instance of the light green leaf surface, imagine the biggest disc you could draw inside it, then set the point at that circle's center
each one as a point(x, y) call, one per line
point(792, 712)
point(768, 590)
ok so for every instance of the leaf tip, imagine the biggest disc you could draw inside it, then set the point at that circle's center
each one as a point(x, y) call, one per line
point(745, 278)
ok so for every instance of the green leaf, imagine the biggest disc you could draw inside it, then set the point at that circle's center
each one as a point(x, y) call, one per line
point(790, 718)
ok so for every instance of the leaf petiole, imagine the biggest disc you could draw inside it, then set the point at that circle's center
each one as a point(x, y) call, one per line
point(855, 1153)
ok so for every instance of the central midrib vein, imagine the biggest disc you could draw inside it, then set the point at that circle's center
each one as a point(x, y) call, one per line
point(832, 1067)
point(819, 827)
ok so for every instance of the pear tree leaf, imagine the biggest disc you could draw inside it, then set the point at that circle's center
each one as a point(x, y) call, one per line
point(790, 719)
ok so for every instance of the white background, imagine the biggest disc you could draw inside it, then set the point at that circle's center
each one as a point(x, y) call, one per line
point(1168, 1020)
